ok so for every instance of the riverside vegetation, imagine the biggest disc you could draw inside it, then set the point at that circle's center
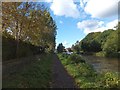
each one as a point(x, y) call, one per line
point(104, 44)
point(85, 75)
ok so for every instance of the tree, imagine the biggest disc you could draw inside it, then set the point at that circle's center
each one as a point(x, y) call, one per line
point(95, 46)
point(102, 38)
point(111, 45)
point(11, 19)
point(29, 22)
point(85, 46)
point(89, 44)
point(60, 48)
point(76, 49)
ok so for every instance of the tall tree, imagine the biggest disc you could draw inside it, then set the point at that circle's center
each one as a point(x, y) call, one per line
point(60, 48)
point(29, 21)
point(112, 44)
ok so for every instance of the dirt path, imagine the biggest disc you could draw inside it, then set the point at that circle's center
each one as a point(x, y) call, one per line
point(61, 79)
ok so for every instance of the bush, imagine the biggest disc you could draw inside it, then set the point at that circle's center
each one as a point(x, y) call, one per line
point(74, 58)
point(65, 55)
point(9, 48)
point(89, 85)
point(109, 80)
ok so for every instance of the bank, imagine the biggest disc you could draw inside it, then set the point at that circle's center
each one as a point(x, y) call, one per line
point(86, 76)
point(102, 54)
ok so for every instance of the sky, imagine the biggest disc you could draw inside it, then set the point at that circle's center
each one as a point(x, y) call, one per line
point(76, 18)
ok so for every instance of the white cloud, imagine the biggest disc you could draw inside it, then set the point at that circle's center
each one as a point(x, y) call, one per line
point(65, 8)
point(100, 8)
point(66, 44)
point(48, 1)
point(112, 24)
point(96, 26)
point(61, 22)
point(89, 24)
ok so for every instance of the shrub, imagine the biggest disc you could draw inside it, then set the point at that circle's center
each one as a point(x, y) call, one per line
point(9, 48)
point(65, 55)
point(109, 80)
point(74, 58)
point(88, 85)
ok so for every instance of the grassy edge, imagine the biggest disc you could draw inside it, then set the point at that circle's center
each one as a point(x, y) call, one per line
point(35, 75)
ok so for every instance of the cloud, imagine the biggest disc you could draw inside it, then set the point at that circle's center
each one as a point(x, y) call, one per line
point(65, 8)
point(61, 22)
point(48, 1)
point(100, 8)
point(89, 24)
point(66, 44)
point(112, 24)
point(96, 26)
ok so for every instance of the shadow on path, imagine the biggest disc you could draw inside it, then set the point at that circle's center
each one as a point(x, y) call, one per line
point(61, 79)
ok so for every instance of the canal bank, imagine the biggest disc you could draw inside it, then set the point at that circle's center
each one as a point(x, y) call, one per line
point(86, 76)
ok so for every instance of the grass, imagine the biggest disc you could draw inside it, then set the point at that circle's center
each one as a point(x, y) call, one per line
point(85, 75)
point(102, 54)
point(36, 75)
point(110, 54)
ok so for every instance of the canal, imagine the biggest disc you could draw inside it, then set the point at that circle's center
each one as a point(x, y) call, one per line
point(103, 64)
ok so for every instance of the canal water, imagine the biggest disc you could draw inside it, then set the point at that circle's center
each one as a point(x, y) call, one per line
point(103, 64)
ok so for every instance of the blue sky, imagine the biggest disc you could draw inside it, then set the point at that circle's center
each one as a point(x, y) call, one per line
point(76, 19)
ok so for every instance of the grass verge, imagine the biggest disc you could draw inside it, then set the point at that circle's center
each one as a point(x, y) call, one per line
point(36, 75)
point(85, 75)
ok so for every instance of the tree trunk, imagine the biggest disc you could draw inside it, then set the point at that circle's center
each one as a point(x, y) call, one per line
point(17, 38)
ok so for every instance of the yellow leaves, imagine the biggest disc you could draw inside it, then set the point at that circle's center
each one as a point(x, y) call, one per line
point(38, 25)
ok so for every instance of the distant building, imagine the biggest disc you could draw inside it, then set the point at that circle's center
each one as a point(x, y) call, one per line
point(68, 51)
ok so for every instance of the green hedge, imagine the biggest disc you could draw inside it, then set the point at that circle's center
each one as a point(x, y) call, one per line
point(9, 48)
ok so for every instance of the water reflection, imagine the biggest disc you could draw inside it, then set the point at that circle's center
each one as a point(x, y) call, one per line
point(102, 64)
